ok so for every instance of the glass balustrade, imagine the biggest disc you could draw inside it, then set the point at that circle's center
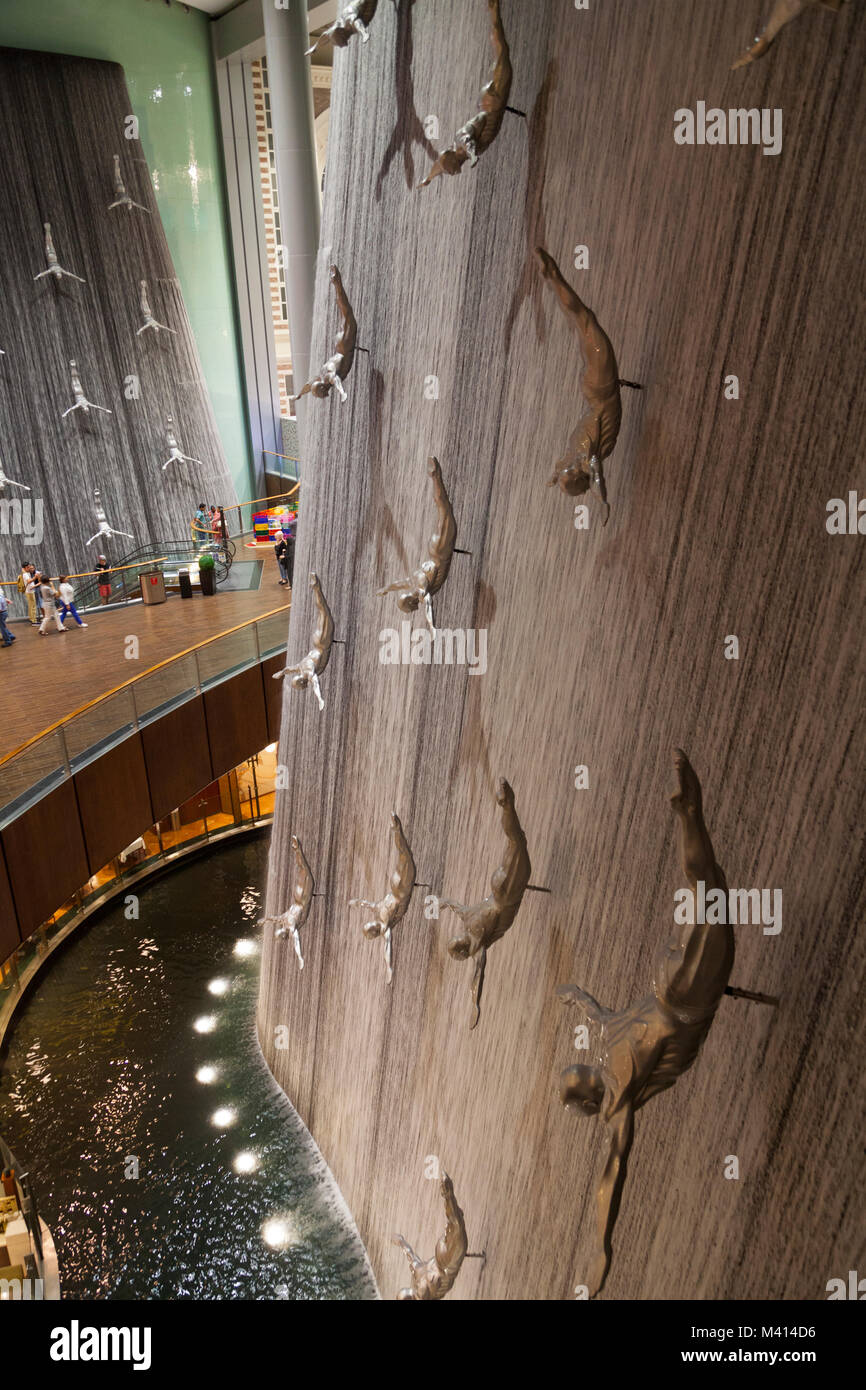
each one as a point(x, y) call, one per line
point(35, 770)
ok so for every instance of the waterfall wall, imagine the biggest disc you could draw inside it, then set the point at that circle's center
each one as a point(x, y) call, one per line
point(606, 647)
point(63, 120)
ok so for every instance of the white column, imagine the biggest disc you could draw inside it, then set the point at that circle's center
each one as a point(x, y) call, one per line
point(286, 38)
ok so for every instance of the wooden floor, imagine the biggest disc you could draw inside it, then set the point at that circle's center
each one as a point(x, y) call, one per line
point(606, 647)
point(46, 678)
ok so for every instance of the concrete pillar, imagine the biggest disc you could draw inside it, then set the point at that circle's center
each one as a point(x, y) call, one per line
point(286, 38)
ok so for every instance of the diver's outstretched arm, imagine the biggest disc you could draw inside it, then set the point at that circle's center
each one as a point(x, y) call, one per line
point(461, 910)
point(394, 588)
point(414, 1261)
point(573, 994)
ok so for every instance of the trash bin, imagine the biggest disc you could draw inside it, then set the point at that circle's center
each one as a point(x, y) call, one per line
point(152, 586)
point(185, 583)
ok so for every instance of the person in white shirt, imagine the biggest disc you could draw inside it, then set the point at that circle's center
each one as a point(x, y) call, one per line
point(67, 607)
point(47, 593)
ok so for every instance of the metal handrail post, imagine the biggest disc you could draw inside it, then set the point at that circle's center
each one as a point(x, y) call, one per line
point(66, 763)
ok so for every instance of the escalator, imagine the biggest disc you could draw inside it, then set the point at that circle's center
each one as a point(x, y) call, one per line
point(167, 557)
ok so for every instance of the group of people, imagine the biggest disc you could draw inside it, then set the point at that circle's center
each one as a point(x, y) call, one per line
point(45, 602)
point(206, 526)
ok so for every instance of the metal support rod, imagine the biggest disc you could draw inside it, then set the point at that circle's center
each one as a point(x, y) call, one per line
point(750, 994)
point(256, 785)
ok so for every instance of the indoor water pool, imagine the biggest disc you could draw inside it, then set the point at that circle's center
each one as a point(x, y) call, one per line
point(164, 1157)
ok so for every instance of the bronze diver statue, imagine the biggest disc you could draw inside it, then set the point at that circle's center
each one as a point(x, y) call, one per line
point(391, 909)
point(310, 667)
point(647, 1047)
point(433, 1279)
point(478, 135)
point(337, 367)
point(353, 18)
point(289, 923)
point(431, 573)
point(597, 431)
point(488, 921)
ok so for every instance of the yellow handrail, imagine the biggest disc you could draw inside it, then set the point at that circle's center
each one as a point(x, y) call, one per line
point(271, 453)
point(93, 574)
point(133, 680)
point(279, 497)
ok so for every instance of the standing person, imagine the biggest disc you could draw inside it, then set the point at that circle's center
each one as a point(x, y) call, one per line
point(285, 553)
point(7, 636)
point(33, 593)
point(28, 573)
point(201, 524)
point(49, 607)
point(287, 526)
point(104, 570)
point(289, 561)
point(67, 607)
point(216, 524)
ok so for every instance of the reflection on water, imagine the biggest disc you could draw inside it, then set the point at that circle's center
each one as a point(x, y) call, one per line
point(165, 1159)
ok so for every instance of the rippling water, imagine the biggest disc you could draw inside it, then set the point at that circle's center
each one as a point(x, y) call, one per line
point(100, 1081)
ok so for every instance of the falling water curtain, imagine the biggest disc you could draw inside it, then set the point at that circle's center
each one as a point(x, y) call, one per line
point(62, 121)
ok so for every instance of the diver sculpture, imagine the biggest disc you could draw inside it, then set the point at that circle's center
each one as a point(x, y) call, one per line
point(488, 921)
point(352, 19)
point(433, 1279)
point(431, 574)
point(594, 439)
point(338, 367)
point(393, 907)
point(478, 135)
point(175, 455)
point(309, 669)
point(646, 1048)
point(782, 13)
point(289, 923)
point(149, 320)
point(102, 522)
point(10, 482)
point(122, 198)
point(81, 401)
point(55, 269)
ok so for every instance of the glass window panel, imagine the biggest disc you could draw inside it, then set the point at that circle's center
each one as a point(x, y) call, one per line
point(30, 775)
point(273, 634)
point(163, 690)
point(99, 728)
point(226, 655)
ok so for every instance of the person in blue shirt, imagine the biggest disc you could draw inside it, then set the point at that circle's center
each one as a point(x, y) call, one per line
point(7, 636)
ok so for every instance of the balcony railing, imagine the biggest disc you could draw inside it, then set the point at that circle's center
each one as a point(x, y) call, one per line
point(52, 757)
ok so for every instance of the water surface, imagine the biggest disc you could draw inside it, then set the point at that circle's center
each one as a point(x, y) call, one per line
point(99, 1081)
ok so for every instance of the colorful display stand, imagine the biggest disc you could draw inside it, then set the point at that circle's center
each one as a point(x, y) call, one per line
point(268, 524)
